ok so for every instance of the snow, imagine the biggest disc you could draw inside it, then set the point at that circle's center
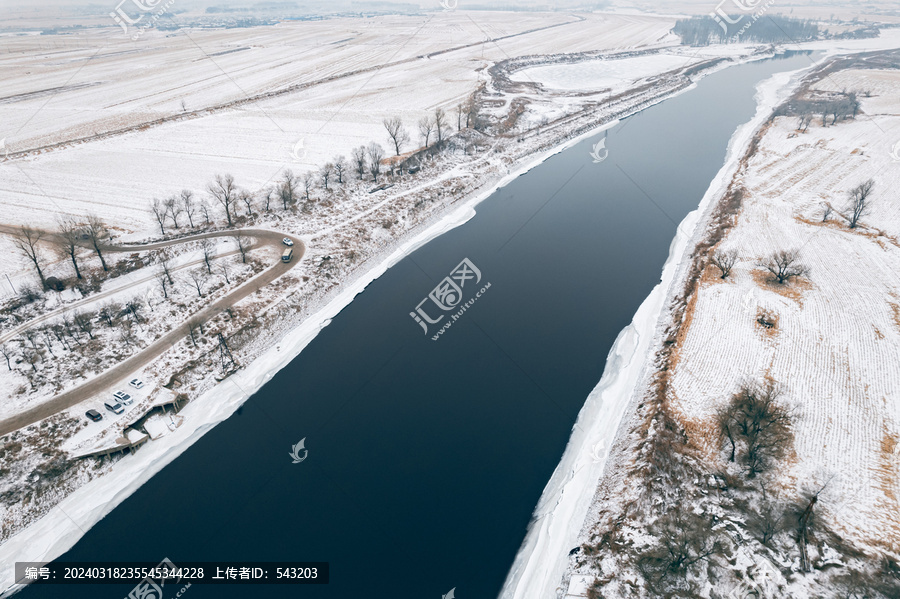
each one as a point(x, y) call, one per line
point(564, 504)
point(837, 342)
point(65, 523)
point(600, 74)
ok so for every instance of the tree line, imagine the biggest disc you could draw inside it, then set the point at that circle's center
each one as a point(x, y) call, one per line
point(706, 30)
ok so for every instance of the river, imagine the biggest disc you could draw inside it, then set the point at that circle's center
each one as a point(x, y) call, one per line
point(426, 457)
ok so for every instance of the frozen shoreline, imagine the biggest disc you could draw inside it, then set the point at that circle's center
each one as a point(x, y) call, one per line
point(58, 530)
point(62, 527)
point(541, 563)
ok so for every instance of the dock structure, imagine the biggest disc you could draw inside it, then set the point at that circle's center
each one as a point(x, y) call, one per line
point(135, 435)
point(129, 442)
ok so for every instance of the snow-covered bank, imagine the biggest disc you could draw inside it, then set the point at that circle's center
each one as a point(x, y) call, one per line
point(59, 530)
point(540, 566)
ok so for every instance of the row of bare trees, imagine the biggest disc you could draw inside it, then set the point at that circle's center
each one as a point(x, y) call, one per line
point(223, 193)
point(69, 236)
point(783, 265)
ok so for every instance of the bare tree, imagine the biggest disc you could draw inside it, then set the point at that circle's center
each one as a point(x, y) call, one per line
point(67, 236)
point(826, 211)
point(685, 540)
point(758, 428)
point(195, 328)
point(288, 189)
point(109, 312)
point(267, 195)
point(460, 111)
point(340, 167)
point(426, 126)
point(805, 506)
point(84, 322)
point(164, 259)
point(325, 173)
point(198, 278)
point(224, 192)
point(440, 124)
point(398, 134)
point(224, 266)
point(376, 155)
point(158, 208)
point(243, 243)
point(307, 180)
point(8, 353)
point(472, 109)
point(205, 211)
point(209, 250)
point(188, 205)
point(247, 198)
point(173, 208)
point(725, 261)
point(134, 305)
point(784, 265)
point(359, 161)
point(97, 234)
point(164, 280)
point(26, 241)
point(859, 202)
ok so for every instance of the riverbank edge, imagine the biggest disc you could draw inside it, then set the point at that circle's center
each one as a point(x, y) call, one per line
point(60, 529)
point(541, 566)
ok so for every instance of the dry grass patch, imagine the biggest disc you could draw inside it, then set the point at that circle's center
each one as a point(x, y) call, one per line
point(793, 290)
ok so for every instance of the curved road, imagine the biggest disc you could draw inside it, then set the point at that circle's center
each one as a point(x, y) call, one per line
point(123, 370)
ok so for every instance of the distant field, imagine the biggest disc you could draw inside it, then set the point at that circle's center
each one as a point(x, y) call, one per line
point(59, 88)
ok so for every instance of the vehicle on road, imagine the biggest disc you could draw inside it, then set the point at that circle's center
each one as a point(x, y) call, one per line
point(136, 383)
point(287, 255)
point(94, 415)
point(288, 242)
point(114, 407)
point(123, 398)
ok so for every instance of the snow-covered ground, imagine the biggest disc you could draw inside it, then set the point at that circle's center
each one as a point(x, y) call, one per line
point(252, 143)
point(837, 345)
point(541, 563)
point(256, 140)
point(601, 74)
point(833, 353)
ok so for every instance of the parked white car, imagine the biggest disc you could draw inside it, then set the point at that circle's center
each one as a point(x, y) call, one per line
point(114, 407)
point(287, 241)
point(123, 398)
point(136, 383)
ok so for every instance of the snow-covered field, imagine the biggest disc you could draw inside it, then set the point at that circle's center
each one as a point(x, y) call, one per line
point(257, 140)
point(601, 74)
point(837, 343)
point(833, 352)
point(117, 176)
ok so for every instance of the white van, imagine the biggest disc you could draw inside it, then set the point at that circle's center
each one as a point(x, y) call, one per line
point(287, 255)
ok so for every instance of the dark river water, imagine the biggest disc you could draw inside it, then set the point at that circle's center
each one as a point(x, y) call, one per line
point(426, 458)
